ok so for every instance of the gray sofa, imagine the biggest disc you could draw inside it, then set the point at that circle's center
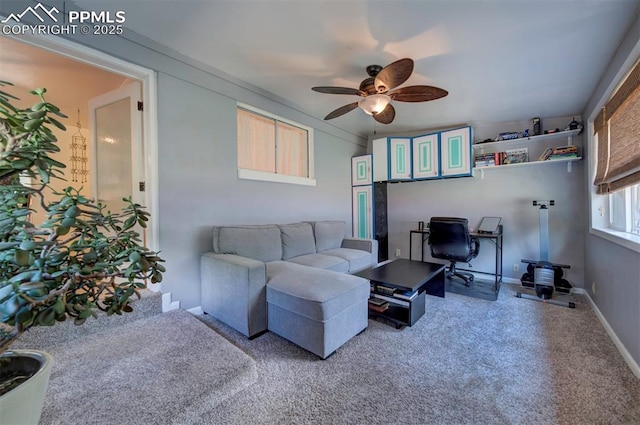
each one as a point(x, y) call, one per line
point(292, 279)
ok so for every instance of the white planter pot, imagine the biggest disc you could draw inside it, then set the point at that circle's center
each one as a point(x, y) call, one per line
point(23, 404)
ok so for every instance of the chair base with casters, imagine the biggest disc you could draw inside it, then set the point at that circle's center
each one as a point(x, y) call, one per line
point(450, 240)
point(465, 276)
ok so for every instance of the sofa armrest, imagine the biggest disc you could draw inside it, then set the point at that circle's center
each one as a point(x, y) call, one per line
point(233, 290)
point(369, 245)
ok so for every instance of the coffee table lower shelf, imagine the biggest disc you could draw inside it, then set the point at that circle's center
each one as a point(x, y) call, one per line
point(406, 276)
point(400, 315)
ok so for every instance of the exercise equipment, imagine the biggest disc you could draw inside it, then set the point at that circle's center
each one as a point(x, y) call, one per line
point(542, 275)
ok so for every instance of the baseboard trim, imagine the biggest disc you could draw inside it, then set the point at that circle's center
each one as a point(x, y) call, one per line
point(167, 304)
point(196, 311)
point(635, 368)
point(509, 280)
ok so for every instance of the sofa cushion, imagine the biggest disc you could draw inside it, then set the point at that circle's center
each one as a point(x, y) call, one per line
point(358, 259)
point(262, 243)
point(329, 234)
point(314, 293)
point(321, 261)
point(297, 239)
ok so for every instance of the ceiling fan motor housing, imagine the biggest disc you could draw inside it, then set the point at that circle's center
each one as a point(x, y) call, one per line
point(372, 70)
point(367, 86)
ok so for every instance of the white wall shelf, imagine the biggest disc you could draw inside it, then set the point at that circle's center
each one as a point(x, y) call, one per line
point(568, 133)
point(526, 142)
point(527, 164)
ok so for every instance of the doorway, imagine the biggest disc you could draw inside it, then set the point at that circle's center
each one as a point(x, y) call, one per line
point(74, 65)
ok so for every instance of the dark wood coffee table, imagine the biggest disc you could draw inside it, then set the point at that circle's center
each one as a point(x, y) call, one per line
point(399, 276)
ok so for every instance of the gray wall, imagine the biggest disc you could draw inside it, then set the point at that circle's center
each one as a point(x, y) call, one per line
point(506, 193)
point(198, 183)
point(199, 186)
point(614, 268)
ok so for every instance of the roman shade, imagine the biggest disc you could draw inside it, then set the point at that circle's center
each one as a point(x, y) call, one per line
point(617, 127)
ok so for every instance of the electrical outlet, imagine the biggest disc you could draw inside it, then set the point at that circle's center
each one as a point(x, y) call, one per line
point(516, 267)
point(593, 287)
point(398, 253)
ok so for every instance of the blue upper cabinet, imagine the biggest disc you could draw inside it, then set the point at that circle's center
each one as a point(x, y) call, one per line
point(361, 170)
point(455, 152)
point(430, 156)
point(399, 158)
point(391, 159)
point(426, 156)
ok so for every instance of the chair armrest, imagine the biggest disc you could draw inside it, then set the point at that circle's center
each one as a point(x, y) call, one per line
point(369, 245)
point(233, 290)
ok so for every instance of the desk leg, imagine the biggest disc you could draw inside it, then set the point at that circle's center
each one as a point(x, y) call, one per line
point(498, 278)
point(410, 243)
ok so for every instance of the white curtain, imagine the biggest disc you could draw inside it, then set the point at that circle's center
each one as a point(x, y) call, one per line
point(292, 151)
point(259, 150)
point(256, 142)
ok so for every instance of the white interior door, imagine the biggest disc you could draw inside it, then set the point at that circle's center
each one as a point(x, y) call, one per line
point(116, 146)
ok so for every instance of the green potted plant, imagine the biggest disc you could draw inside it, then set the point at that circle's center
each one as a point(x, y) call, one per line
point(81, 259)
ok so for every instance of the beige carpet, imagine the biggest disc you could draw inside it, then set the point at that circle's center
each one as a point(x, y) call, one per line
point(467, 361)
point(161, 369)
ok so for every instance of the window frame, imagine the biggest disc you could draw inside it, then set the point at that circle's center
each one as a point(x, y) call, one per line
point(249, 174)
point(619, 210)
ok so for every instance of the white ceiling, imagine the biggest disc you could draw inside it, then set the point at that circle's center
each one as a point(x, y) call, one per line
point(500, 60)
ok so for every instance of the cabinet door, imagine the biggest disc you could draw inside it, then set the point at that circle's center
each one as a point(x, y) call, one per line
point(380, 160)
point(361, 170)
point(455, 152)
point(425, 156)
point(399, 158)
point(362, 212)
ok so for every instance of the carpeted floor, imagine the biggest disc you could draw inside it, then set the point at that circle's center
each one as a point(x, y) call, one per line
point(162, 369)
point(467, 361)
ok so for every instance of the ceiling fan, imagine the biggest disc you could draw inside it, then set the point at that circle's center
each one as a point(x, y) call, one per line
point(375, 93)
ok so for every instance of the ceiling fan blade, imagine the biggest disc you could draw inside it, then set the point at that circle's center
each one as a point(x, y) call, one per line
point(341, 111)
point(418, 94)
point(337, 90)
point(386, 116)
point(393, 75)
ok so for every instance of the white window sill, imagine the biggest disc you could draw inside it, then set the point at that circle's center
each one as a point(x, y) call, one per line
point(272, 177)
point(626, 240)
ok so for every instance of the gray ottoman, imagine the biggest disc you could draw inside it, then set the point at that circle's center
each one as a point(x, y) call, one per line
point(318, 310)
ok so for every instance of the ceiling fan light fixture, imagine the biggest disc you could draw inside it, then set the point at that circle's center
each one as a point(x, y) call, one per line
point(374, 104)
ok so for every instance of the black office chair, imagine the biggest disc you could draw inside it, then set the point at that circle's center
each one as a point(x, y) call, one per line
point(450, 240)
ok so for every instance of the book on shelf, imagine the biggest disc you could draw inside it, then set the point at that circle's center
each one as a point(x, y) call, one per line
point(379, 308)
point(406, 295)
point(516, 156)
point(545, 154)
point(392, 299)
point(559, 152)
point(489, 159)
point(381, 289)
point(377, 301)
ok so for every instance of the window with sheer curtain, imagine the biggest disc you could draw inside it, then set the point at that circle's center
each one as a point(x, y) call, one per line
point(273, 149)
